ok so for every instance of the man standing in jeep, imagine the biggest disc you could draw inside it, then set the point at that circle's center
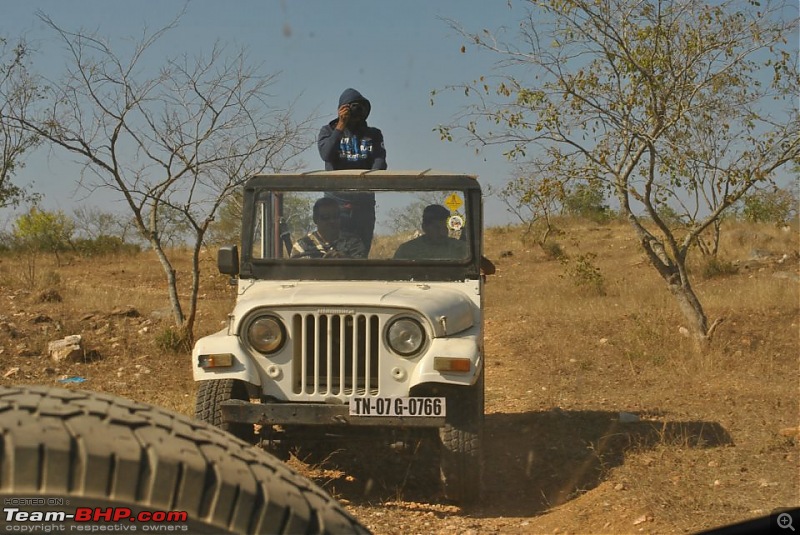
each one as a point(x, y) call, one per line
point(347, 142)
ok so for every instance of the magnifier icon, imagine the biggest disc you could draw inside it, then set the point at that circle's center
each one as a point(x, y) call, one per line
point(785, 521)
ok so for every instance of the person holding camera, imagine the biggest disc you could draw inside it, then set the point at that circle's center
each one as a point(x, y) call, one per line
point(347, 142)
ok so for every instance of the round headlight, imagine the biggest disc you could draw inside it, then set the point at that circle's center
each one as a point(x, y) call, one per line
point(266, 334)
point(405, 336)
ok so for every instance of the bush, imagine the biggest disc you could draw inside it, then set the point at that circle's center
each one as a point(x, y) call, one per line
point(586, 201)
point(777, 206)
point(714, 267)
point(104, 245)
point(553, 250)
point(585, 274)
point(173, 341)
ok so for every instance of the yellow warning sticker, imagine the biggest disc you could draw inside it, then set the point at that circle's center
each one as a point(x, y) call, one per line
point(454, 202)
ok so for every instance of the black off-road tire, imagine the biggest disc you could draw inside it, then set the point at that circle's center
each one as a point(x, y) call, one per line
point(63, 449)
point(211, 394)
point(461, 448)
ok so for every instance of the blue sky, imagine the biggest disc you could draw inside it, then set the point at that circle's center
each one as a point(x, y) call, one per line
point(394, 52)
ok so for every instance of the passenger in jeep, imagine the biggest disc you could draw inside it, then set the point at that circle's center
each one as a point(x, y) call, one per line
point(435, 243)
point(328, 241)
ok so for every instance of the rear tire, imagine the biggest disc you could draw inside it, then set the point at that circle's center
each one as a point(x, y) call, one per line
point(70, 448)
point(210, 396)
point(461, 461)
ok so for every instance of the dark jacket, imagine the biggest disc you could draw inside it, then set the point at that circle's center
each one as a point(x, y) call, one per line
point(359, 148)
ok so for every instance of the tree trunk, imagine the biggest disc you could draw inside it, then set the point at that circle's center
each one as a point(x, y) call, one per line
point(672, 269)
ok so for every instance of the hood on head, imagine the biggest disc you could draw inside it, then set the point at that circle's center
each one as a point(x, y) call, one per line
point(350, 95)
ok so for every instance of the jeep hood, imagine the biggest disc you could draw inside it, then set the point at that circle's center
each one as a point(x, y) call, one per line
point(449, 310)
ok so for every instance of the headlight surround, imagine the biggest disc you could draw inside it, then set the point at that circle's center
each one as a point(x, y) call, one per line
point(265, 334)
point(405, 336)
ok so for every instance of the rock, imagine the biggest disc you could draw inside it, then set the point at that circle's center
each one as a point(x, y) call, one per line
point(67, 349)
point(128, 312)
point(506, 254)
point(11, 371)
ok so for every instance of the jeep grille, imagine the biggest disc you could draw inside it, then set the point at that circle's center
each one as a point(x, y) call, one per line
point(335, 354)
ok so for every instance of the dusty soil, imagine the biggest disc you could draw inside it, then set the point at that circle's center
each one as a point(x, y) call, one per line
point(600, 416)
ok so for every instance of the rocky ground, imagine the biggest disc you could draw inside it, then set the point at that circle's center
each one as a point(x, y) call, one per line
point(600, 416)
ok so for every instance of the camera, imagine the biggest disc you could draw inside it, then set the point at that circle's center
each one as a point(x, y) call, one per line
point(356, 108)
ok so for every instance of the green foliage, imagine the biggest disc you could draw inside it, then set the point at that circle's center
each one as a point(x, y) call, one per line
point(587, 201)
point(583, 272)
point(104, 245)
point(172, 340)
point(774, 205)
point(40, 230)
point(553, 250)
point(684, 103)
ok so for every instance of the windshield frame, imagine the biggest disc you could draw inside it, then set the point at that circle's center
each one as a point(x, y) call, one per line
point(354, 269)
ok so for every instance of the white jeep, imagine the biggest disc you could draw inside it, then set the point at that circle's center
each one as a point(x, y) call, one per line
point(366, 341)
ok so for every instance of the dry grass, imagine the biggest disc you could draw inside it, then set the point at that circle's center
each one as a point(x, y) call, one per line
point(562, 363)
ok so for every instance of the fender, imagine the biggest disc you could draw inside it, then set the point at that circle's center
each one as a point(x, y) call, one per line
point(222, 343)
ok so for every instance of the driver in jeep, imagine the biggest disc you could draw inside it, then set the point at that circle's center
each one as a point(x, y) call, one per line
point(328, 241)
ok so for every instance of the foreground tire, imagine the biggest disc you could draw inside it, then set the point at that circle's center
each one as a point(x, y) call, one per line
point(84, 453)
point(211, 394)
point(461, 461)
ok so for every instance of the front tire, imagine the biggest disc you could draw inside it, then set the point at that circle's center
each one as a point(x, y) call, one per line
point(461, 461)
point(74, 449)
point(210, 396)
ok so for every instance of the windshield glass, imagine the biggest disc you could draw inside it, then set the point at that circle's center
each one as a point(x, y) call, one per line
point(404, 226)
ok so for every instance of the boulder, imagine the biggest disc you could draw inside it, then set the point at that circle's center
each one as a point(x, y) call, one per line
point(67, 349)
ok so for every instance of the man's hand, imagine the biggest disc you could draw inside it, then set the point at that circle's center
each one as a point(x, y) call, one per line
point(333, 253)
point(344, 116)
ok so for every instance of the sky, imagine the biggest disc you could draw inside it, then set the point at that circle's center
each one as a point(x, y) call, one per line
point(394, 52)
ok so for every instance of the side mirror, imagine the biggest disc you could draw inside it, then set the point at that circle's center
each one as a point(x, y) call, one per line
point(228, 260)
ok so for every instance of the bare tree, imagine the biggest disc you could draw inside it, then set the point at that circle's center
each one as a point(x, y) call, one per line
point(671, 103)
point(175, 140)
point(17, 94)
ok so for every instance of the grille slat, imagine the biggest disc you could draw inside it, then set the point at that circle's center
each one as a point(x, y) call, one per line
point(335, 354)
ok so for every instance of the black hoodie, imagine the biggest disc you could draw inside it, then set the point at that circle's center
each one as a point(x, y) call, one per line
point(356, 147)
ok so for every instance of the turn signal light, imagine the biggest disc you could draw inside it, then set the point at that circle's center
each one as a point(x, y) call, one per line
point(447, 364)
point(220, 360)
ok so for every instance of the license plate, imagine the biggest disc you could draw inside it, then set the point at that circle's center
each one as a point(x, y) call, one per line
point(407, 406)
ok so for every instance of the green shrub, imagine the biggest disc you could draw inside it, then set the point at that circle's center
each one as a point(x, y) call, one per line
point(777, 206)
point(552, 250)
point(585, 274)
point(173, 341)
point(104, 245)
